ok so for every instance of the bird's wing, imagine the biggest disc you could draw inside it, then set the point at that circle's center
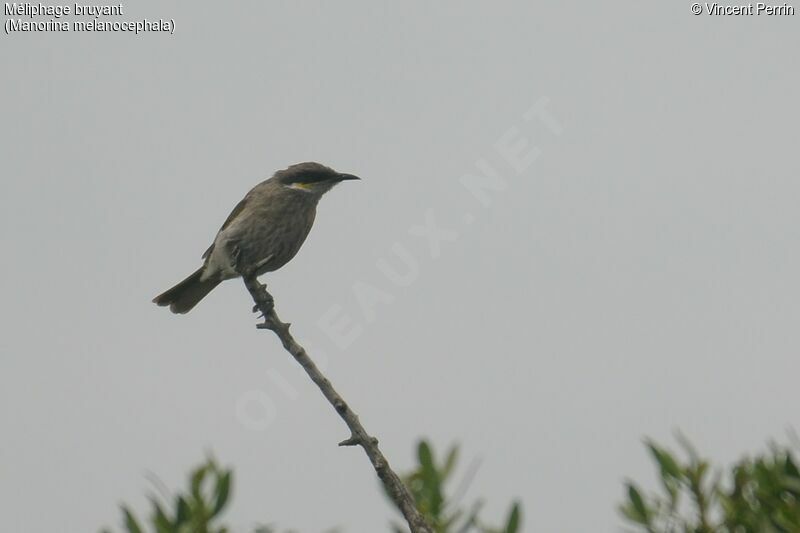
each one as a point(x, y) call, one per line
point(236, 210)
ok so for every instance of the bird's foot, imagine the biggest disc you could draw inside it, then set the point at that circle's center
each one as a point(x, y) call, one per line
point(264, 306)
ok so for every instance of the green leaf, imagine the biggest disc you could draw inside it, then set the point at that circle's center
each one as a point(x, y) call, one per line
point(512, 525)
point(431, 489)
point(197, 480)
point(182, 511)
point(450, 462)
point(641, 515)
point(665, 461)
point(159, 518)
point(222, 492)
point(790, 467)
point(130, 521)
point(426, 457)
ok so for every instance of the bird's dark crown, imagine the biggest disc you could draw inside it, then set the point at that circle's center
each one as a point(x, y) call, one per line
point(308, 172)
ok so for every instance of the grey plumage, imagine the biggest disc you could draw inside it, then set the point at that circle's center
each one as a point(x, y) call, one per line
point(263, 232)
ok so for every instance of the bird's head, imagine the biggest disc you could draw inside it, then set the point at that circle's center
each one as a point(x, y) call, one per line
point(311, 178)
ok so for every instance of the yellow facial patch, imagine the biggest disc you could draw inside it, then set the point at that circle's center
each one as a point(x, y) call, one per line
point(301, 186)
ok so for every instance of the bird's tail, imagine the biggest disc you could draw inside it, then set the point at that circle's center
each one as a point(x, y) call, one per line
point(184, 296)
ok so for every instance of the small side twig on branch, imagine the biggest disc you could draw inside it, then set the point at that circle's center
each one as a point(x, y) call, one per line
point(358, 435)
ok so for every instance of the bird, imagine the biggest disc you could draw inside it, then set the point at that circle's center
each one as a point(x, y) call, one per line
point(264, 231)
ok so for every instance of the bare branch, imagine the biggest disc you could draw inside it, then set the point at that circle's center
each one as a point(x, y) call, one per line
point(358, 435)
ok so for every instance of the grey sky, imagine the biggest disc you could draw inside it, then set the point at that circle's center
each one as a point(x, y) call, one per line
point(639, 276)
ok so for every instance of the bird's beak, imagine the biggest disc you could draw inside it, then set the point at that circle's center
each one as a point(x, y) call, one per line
point(344, 177)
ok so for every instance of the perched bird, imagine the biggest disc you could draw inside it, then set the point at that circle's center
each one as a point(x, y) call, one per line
point(263, 232)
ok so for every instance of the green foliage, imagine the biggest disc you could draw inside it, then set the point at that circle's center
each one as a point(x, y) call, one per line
point(195, 511)
point(427, 485)
point(757, 495)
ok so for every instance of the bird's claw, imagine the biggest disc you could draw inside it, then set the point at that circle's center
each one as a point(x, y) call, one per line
point(269, 304)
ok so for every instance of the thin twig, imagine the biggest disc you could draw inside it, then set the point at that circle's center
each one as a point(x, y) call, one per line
point(358, 435)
